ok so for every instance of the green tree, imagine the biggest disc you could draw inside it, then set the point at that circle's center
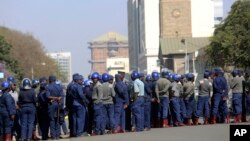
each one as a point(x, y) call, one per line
point(230, 45)
point(5, 58)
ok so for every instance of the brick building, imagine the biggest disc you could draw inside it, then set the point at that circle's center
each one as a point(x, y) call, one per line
point(110, 45)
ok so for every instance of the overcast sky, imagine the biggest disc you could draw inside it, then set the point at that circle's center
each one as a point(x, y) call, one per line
point(66, 24)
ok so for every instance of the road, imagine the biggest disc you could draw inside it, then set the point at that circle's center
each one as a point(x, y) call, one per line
point(218, 132)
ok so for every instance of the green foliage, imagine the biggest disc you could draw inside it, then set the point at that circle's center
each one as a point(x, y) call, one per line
point(230, 45)
point(5, 58)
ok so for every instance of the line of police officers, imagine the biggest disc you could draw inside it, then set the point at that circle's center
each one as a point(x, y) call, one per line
point(101, 105)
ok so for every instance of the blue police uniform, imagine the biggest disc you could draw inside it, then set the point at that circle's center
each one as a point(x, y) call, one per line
point(27, 101)
point(7, 110)
point(42, 113)
point(121, 99)
point(53, 93)
point(147, 104)
point(78, 109)
point(89, 115)
point(220, 92)
point(138, 103)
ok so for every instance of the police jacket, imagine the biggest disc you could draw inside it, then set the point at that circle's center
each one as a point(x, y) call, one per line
point(42, 100)
point(147, 90)
point(121, 91)
point(7, 104)
point(220, 86)
point(108, 93)
point(54, 90)
point(97, 94)
point(188, 89)
point(27, 98)
point(236, 84)
point(78, 96)
point(205, 87)
point(162, 87)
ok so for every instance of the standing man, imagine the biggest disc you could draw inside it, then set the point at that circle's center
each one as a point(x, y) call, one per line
point(205, 92)
point(138, 102)
point(189, 98)
point(16, 127)
point(175, 101)
point(27, 101)
point(108, 110)
point(54, 95)
point(78, 107)
point(162, 97)
point(247, 93)
point(154, 104)
point(220, 95)
point(147, 104)
point(7, 112)
point(121, 103)
point(236, 84)
point(97, 98)
point(42, 109)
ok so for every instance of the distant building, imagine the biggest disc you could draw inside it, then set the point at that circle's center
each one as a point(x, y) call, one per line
point(218, 11)
point(116, 64)
point(63, 60)
point(143, 33)
point(185, 28)
point(105, 48)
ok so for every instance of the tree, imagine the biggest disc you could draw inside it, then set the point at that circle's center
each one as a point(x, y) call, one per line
point(5, 58)
point(30, 54)
point(230, 45)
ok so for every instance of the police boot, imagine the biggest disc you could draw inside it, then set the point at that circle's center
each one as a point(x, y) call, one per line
point(213, 120)
point(206, 121)
point(158, 123)
point(239, 118)
point(236, 118)
point(195, 121)
point(188, 122)
point(228, 119)
point(34, 136)
point(165, 123)
point(7, 137)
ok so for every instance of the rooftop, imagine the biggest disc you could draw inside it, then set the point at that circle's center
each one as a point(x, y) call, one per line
point(110, 36)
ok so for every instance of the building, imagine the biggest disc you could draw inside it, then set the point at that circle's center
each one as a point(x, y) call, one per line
point(105, 48)
point(63, 60)
point(143, 34)
point(116, 64)
point(218, 11)
point(185, 26)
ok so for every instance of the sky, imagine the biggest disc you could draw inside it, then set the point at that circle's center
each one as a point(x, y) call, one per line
point(66, 25)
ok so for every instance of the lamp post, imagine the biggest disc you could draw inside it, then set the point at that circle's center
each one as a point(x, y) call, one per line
point(183, 41)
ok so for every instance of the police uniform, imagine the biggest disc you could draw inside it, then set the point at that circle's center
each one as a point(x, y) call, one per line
point(7, 113)
point(138, 105)
point(220, 93)
point(27, 101)
point(183, 110)
point(120, 100)
point(97, 96)
point(147, 104)
point(175, 104)
point(236, 84)
point(54, 94)
point(78, 108)
point(205, 90)
point(108, 106)
point(188, 92)
point(162, 93)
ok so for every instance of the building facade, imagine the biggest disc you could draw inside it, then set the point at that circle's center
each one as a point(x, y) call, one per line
point(143, 34)
point(107, 46)
point(63, 60)
point(185, 26)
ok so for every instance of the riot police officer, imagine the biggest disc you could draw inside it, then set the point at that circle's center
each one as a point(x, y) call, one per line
point(7, 111)
point(27, 101)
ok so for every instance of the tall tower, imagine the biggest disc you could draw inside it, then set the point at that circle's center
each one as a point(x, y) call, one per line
point(175, 18)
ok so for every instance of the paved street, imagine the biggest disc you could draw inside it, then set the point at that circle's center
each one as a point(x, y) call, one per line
point(218, 132)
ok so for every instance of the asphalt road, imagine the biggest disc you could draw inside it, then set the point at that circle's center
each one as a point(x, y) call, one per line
point(218, 132)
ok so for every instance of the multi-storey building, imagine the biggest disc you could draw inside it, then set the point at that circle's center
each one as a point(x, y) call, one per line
point(108, 46)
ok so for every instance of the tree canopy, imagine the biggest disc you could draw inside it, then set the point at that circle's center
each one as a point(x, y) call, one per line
point(230, 45)
point(29, 54)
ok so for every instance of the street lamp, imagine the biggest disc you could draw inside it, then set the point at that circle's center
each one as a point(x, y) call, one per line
point(183, 41)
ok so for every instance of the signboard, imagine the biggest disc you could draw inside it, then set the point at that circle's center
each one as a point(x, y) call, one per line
point(1, 75)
